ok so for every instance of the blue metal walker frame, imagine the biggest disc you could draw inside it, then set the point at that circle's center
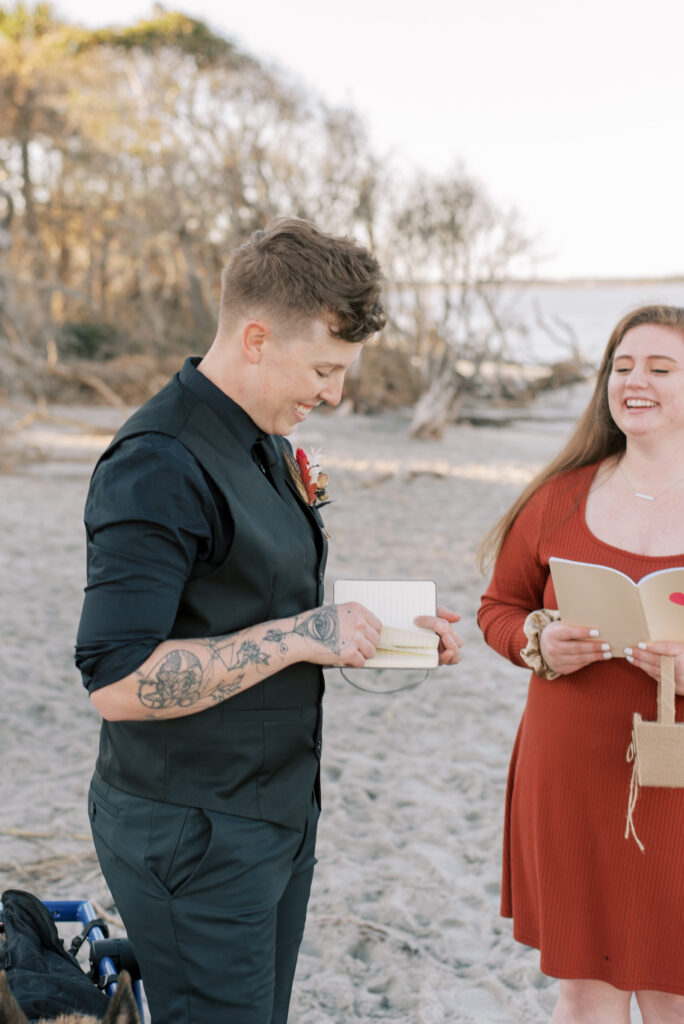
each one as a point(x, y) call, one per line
point(82, 910)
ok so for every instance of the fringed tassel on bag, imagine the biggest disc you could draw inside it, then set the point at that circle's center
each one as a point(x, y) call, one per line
point(633, 793)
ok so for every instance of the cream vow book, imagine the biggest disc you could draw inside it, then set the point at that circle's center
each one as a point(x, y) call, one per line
point(624, 612)
point(396, 603)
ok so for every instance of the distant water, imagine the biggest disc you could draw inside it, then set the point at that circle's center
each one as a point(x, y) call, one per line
point(590, 311)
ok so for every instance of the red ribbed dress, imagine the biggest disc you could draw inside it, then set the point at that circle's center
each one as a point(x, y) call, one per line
point(586, 897)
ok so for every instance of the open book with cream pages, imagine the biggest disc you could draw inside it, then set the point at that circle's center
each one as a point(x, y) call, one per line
point(625, 613)
point(396, 603)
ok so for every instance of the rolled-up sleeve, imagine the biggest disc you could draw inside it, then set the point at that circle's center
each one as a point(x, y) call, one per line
point(150, 522)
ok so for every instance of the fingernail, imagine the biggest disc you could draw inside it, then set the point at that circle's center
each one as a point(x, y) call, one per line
point(605, 647)
point(642, 646)
point(628, 651)
point(593, 632)
point(608, 654)
point(629, 658)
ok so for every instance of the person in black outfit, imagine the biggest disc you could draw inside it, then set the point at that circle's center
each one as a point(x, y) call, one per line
point(203, 634)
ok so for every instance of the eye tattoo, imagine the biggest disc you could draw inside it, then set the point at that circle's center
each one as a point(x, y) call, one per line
point(323, 627)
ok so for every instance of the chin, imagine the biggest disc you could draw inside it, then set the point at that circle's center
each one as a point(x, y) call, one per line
point(284, 427)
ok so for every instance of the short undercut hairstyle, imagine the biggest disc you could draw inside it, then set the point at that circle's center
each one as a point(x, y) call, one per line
point(295, 272)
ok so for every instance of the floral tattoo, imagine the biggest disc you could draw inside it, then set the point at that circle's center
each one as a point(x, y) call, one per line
point(176, 681)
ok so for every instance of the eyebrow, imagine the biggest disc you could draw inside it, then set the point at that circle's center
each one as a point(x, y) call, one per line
point(626, 355)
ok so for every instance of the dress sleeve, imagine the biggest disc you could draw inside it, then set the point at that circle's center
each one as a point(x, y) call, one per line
point(518, 582)
point(151, 523)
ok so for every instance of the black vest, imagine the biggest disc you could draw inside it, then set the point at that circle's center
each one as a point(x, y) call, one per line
point(256, 754)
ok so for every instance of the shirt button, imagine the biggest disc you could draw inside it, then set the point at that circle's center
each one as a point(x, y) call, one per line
point(319, 747)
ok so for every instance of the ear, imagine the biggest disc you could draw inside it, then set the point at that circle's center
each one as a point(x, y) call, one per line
point(122, 1008)
point(255, 334)
point(10, 1011)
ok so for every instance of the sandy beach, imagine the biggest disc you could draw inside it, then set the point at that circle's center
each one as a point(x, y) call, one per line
point(403, 923)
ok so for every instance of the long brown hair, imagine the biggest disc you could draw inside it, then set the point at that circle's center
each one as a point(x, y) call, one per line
point(596, 436)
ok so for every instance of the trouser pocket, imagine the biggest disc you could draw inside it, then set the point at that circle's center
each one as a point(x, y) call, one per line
point(167, 843)
point(178, 841)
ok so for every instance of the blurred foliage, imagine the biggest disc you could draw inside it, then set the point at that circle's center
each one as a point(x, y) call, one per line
point(172, 29)
point(83, 340)
point(138, 158)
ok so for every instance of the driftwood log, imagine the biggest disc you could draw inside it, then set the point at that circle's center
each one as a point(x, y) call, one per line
point(499, 398)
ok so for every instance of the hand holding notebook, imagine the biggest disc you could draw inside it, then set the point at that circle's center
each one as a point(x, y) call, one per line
point(397, 603)
point(624, 612)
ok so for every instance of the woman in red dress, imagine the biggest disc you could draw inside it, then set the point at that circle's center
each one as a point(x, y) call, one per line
point(606, 915)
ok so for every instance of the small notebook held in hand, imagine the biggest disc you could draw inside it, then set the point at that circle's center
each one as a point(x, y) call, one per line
point(396, 603)
point(625, 613)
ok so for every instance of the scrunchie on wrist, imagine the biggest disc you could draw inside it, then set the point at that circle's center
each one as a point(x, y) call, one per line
point(531, 654)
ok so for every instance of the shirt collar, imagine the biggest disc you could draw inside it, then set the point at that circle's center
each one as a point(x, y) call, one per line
point(233, 416)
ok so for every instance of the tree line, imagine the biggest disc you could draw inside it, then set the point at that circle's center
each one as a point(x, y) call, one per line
point(133, 160)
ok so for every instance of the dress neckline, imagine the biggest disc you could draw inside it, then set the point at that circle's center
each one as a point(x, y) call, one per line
point(603, 543)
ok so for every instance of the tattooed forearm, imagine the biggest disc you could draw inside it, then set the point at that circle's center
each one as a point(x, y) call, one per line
point(180, 680)
point(195, 674)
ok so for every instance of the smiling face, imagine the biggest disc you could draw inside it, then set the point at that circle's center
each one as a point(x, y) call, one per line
point(646, 382)
point(298, 372)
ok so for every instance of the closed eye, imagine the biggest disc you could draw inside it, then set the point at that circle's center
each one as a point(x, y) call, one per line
point(653, 369)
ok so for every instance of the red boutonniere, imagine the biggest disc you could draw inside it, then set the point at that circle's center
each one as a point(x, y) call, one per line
point(309, 480)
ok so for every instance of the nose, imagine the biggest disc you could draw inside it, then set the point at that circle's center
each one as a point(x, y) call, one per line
point(637, 376)
point(331, 393)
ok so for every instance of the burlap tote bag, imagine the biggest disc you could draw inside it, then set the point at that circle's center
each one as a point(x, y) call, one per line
point(657, 748)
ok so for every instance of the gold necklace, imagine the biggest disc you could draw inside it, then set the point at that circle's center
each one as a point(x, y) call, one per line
point(640, 494)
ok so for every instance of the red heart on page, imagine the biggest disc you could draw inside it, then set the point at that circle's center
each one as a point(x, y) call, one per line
point(677, 598)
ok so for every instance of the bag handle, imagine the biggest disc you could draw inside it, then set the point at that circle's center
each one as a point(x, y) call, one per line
point(666, 690)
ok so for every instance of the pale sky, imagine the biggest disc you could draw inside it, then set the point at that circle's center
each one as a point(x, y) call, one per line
point(569, 110)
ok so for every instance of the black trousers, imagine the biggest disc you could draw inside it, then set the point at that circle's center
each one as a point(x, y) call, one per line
point(214, 904)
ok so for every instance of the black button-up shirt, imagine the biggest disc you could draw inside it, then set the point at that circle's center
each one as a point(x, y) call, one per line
point(153, 521)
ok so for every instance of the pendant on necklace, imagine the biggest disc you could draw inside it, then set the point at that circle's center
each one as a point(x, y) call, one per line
point(640, 494)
